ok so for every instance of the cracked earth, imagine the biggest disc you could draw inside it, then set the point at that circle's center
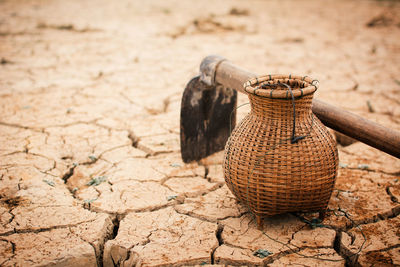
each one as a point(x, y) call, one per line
point(90, 167)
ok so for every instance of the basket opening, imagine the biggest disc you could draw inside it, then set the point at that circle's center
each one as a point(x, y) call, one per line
point(276, 86)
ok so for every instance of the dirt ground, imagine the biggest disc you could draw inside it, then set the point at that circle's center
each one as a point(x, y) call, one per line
point(90, 166)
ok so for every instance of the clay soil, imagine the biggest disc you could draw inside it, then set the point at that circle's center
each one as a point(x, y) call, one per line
point(90, 167)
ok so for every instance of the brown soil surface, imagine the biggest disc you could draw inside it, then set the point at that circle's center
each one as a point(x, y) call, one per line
point(90, 168)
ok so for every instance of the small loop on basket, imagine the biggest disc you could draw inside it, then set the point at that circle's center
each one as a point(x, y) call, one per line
point(315, 85)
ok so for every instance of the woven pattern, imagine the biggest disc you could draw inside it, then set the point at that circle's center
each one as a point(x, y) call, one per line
point(263, 168)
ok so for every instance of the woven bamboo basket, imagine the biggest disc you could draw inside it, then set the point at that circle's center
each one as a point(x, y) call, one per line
point(281, 158)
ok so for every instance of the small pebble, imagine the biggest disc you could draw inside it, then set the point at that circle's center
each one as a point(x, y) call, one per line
point(51, 183)
point(262, 253)
point(88, 201)
point(343, 165)
point(169, 198)
point(363, 167)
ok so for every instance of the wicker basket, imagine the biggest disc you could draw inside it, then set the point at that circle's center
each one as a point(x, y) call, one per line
point(281, 158)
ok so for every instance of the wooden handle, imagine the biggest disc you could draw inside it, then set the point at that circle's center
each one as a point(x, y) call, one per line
point(232, 76)
point(363, 130)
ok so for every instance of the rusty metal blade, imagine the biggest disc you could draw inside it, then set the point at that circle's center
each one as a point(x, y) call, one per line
point(208, 114)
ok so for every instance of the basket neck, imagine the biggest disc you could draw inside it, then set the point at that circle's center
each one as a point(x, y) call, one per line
point(281, 109)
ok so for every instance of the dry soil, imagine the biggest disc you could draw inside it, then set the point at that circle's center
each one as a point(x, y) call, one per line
point(90, 168)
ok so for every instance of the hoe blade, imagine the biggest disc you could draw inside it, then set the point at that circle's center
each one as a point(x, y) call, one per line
point(208, 114)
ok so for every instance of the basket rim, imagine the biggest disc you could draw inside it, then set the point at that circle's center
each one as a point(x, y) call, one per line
point(252, 86)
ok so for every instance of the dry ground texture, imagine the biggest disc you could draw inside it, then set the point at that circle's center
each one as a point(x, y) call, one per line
point(90, 166)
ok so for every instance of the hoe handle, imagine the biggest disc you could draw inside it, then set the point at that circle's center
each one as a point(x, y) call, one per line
point(368, 132)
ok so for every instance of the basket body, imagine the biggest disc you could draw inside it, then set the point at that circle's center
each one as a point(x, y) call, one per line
point(269, 173)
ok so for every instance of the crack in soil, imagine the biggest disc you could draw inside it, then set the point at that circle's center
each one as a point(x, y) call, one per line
point(385, 249)
point(43, 129)
point(163, 109)
point(127, 98)
point(69, 173)
point(346, 255)
point(14, 125)
point(218, 235)
point(150, 209)
point(337, 242)
point(376, 256)
point(200, 217)
point(395, 211)
point(184, 195)
point(370, 170)
point(135, 142)
point(13, 249)
point(92, 121)
point(44, 229)
point(351, 258)
point(123, 214)
point(65, 27)
point(98, 260)
point(116, 224)
point(393, 198)
point(134, 139)
point(114, 148)
point(366, 169)
point(298, 251)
